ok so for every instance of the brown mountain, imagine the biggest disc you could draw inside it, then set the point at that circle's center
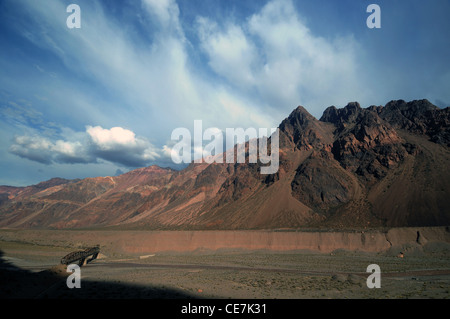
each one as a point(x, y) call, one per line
point(12, 192)
point(355, 167)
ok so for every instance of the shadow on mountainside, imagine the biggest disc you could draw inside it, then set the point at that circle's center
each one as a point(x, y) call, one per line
point(18, 283)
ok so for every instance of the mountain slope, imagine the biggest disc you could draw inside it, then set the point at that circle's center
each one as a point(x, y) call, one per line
point(355, 167)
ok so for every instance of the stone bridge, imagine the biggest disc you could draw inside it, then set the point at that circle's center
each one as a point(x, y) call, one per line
point(81, 257)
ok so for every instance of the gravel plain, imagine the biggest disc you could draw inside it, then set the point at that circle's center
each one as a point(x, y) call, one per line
point(29, 270)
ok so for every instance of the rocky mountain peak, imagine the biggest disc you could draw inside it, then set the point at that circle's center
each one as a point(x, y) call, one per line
point(338, 116)
point(355, 167)
point(301, 130)
point(412, 107)
point(419, 117)
point(298, 118)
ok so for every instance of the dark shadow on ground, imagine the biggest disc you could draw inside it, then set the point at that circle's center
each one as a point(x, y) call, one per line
point(18, 283)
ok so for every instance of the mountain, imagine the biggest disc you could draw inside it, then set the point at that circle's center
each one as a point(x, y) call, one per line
point(353, 168)
point(12, 192)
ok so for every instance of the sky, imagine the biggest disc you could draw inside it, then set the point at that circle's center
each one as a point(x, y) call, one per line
point(103, 99)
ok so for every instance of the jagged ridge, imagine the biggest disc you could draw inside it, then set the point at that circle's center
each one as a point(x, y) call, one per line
point(355, 167)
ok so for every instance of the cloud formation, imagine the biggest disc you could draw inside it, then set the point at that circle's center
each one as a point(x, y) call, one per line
point(256, 71)
point(275, 55)
point(116, 145)
point(121, 146)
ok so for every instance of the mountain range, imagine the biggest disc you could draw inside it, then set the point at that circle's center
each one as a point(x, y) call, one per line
point(381, 166)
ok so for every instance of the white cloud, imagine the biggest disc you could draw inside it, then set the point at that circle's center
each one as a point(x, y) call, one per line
point(121, 146)
point(109, 139)
point(43, 150)
point(115, 145)
point(67, 148)
point(32, 147)
point(166, 11)
point(230, 53)
point(275, 54)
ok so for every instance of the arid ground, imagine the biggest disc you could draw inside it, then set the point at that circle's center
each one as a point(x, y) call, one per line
point(29, 268)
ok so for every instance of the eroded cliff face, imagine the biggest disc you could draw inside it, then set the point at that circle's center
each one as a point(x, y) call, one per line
point(409, 240)
point(354, 168)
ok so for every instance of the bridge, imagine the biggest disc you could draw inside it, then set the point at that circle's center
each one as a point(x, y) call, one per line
point(81, 257)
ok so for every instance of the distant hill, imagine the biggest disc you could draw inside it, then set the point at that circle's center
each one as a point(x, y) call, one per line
point(354, 168)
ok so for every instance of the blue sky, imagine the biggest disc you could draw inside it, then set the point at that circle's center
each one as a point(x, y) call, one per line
point(104, 99)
